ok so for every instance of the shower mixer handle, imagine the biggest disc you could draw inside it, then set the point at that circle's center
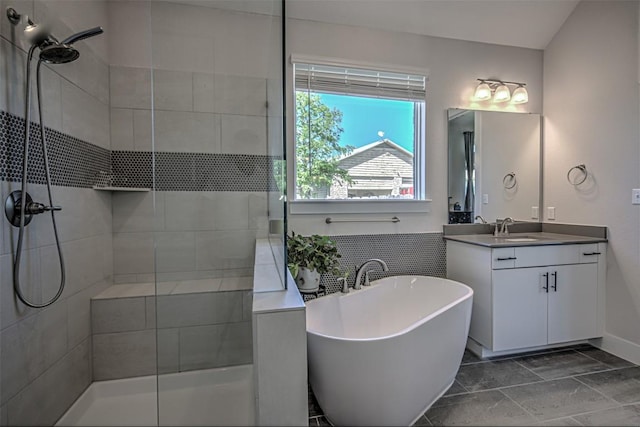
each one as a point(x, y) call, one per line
point(35, 208)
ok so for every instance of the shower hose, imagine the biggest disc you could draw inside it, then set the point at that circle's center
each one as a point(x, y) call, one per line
point(23, 200)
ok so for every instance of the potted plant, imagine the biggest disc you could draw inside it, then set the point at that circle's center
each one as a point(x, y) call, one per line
point(309, 257)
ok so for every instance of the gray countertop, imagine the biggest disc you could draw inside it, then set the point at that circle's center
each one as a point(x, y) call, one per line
point(541, 239)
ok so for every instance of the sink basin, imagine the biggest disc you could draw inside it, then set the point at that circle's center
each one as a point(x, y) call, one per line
point(519, 238)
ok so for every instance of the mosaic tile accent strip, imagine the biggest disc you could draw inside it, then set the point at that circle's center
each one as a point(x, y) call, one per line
point(77, 163)
point(132, 169)
point(73, 162)
point(194, 171)
point(422, 254)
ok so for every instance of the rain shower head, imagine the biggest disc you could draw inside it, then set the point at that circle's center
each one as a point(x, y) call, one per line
point(59, 54)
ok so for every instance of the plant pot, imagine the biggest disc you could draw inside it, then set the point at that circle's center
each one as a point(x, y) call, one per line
point(308, 280)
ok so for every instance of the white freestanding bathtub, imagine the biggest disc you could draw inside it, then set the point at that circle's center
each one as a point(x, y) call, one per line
point(384, 354)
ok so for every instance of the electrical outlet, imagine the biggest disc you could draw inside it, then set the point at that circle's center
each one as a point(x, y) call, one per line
point(551, 213)
point(534, 212)
point(485, 199)
point(635, 196)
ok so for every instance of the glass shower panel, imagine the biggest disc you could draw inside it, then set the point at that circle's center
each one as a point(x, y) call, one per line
point(276, 144)
point(217, 113)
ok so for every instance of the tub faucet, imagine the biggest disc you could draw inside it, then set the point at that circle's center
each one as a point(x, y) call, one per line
point(360, 271)
point(345, 285)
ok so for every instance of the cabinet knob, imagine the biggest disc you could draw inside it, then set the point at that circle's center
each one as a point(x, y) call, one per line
point(555, 281)
point(590, 253)
point(546, 281)
point(506, 258)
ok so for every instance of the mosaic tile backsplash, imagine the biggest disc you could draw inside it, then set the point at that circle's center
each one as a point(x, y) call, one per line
point(420, 254)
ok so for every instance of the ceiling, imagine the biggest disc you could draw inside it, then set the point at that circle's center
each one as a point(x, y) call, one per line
point(522, 23)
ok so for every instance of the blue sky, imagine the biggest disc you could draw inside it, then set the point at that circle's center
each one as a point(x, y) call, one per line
point(364, 117)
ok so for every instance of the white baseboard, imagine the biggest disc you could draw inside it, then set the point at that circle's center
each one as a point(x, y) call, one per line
point(619, 347)
point(482, 352)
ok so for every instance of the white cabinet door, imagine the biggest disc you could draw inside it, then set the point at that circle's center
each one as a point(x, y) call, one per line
point(573, 298)
point(519, 308)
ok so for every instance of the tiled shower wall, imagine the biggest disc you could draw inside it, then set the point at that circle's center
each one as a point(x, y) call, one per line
point(210, 132)
point(191, 119)
point(45, 360)
point(211, 125)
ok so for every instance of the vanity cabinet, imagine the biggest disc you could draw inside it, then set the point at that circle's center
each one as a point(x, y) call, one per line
point(531, 296)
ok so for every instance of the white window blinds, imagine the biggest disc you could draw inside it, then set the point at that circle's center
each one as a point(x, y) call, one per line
point(358, 81)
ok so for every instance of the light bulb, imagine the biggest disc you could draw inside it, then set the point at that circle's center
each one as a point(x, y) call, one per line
point(520, 95)
point(502, 94)
point(483, 92)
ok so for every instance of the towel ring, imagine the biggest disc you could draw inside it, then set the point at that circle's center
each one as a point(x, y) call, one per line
point(509, 178)
point(583, 170)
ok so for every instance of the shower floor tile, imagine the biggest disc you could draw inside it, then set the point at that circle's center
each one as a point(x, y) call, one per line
point(212, 397)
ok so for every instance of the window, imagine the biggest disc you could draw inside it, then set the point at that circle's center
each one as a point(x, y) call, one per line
point(359, 133)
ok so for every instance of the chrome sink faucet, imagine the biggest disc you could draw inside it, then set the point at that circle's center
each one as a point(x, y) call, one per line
point(362, 271)
point(504, 229)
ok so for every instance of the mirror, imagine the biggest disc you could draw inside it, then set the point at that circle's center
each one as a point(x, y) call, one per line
point(494, 165)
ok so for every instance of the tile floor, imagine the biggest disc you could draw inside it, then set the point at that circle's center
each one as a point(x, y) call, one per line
point(574, 386)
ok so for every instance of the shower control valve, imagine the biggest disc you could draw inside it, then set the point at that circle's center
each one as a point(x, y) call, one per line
point(13, 208)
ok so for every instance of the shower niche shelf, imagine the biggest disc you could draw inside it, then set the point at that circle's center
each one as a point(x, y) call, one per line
point(129, 189)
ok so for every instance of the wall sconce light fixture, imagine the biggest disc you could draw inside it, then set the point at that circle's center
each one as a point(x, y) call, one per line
point(500, 91)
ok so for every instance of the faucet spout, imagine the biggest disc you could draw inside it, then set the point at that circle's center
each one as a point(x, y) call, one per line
point(360, 271)
point(504, 230)
point(484, 221)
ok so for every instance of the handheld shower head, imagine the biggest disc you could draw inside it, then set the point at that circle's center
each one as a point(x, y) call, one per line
point(91, 32)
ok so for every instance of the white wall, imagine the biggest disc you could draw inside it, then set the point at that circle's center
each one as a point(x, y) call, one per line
point(453, 68)
point(591, 108)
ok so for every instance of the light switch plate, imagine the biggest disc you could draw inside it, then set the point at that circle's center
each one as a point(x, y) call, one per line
point(551, 213)
point(635, 196)
point(485, 199)
point(534, 212)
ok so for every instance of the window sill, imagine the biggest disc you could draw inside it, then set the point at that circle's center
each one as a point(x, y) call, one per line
point(311, 207)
